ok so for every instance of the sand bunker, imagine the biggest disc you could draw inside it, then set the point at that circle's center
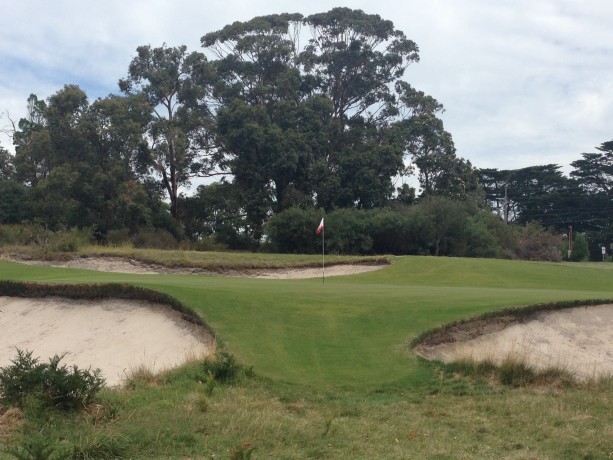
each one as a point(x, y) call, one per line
point(121, 265)
point(304, 273)
point(577, 339)
point(116, 336)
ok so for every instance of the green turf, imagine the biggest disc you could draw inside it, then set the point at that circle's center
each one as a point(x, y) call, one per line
point(334, 376)
point(354, 330)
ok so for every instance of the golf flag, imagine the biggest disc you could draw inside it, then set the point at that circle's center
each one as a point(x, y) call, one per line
point(321, 226)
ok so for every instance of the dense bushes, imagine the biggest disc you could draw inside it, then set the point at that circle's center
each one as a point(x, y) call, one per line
point(43, 239)
point(580, 250)
point(532, 242)
point(15, 205)
point(435, 226)
point(293, 231)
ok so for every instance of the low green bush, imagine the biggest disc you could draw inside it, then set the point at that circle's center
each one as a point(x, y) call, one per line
point(71, 240)
point(224, 368)
point(37, 447)
point(100, 445)
point(51, 385)
point(154, 238)
point(118, 237)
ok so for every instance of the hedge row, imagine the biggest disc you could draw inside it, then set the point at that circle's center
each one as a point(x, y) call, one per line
point(435, 226)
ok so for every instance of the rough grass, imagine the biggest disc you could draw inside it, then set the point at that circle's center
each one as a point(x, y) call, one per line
point(336, 378)
point(442, 415)
point(516, 371)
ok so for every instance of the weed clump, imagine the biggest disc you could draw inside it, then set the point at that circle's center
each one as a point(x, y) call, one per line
point(513, 371)
point(27, 382)
point(242, 452)
point(223, 367)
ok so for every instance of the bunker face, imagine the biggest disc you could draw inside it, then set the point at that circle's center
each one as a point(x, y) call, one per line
point(579, 340)
point(119, 265)
point(115, 336)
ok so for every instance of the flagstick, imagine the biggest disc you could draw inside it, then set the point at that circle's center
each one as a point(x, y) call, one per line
point(323, 255)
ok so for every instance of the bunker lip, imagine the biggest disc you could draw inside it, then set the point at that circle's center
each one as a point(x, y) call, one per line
point(579, 340)
point(132, 266)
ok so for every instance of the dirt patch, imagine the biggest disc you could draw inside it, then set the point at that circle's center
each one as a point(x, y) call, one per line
point(115, 336)
point(579, 340)
point(124, 265)
point(11, 419)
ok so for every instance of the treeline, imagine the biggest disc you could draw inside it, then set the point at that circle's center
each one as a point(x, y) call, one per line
point(579, 204)
point(282, 115)
point(287, 110)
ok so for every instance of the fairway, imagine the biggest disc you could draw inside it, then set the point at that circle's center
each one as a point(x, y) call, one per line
point(351, 331)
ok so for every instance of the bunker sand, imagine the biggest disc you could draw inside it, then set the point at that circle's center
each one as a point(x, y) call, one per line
point(116, 336)
point(579, 340)
point(122, 265)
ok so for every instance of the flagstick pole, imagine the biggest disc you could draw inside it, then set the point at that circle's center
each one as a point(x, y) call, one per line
point(323, 255)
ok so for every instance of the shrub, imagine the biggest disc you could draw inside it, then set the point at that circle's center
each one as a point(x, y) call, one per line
point(223, 367)
point(480, 236)
point(242, 452)
point(347, 232)
point(154, 239)
point(13, 235)
point(392, 231)
point(37, 447)
point(20, 235)
point(581, 251)
point(118, 237)
point(16, 205)
point(51, 385)
point(71, 240)
point(516, 372)
point(100, 445)
point(533, 242)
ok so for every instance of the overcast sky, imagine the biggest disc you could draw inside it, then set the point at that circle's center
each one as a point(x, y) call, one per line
point(523, 82)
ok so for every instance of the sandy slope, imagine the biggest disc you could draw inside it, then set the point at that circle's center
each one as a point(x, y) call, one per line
point(577, 339)
point(119, 265)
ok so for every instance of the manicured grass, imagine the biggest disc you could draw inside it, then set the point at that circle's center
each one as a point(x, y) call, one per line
point(335, 376)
